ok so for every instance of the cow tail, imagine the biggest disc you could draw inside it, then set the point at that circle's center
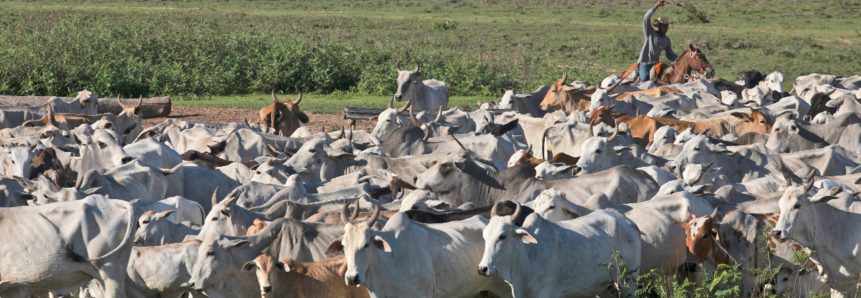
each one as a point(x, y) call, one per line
point(544, 137)
point(174, 169)
point(129, 230)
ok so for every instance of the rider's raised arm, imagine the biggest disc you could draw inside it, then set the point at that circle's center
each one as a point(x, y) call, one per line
point(647, 23)
point(669, 51)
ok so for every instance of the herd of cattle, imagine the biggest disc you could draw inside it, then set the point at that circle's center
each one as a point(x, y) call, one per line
point(534, 202)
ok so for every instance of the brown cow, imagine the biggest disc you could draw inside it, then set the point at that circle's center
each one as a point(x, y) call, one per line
point(643, 127)
point(127, 123)
point(654, 92)
point(606, 115)
point(283, 116)
point(567, 98)
point(46, 162)
point(256, 227)
point(290, 278)
point(523, 157)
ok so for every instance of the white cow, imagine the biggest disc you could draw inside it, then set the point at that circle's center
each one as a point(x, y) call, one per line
point(387, 261)
point(427, 95)
point(533, 255)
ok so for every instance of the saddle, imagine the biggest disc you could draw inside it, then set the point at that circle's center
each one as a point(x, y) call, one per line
point(633, 72)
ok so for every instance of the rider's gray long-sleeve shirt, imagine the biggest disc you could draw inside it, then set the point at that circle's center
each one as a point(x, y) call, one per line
point(654, 44)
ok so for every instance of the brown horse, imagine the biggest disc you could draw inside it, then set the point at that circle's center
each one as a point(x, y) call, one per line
point(680, 71)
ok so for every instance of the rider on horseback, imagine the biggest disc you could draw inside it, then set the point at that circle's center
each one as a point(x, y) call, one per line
point(656, 41)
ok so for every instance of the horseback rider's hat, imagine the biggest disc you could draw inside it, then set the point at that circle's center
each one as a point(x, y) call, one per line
point(660, 21)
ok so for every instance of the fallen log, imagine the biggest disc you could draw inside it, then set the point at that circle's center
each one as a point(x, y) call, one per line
point(153, 107)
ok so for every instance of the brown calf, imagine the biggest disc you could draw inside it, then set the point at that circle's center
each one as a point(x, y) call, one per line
point(643, 127)
point(256, 227)
point(567, 98)
point(290, 278)
point(524, 157)
point(654, 92)
point(283, 116)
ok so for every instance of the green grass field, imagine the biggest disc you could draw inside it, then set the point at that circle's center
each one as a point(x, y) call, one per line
point(315, 103)
point(343, 52)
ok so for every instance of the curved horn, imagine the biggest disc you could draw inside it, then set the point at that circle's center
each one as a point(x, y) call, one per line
point(274, 99)
point(344, 211)
point(493, 211)
point(427, 136)
point(611, 87)
point(398, 65)
point(516, 213)
point(215, 196)
point(438, 115)
point(356, 212)
point(705, 131)
point(374, 215)
point(120, 100)
point(341, 134)
point(413, 118)
point(698, 177)
point(404, 108)
point(298, 100)
point(591, 132)
point(529, 148)
point(391, 101)
point(140, 101)
point(564, 76)
point(708, 165)
point(247, 125)
point(613, 136)
point(417, 68)
point(544, 138)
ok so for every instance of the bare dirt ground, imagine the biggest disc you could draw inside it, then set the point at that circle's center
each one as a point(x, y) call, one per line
point(317, 123)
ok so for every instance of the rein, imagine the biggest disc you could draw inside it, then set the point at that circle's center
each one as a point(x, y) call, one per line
point(700, 67)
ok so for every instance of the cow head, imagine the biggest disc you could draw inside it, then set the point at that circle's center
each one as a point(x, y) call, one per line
point(17, 160)
point(437, 177)
point(88, 101)
point(219, 220)
point(553, 205)
point(789, 135)
point(774, 81)
point(316, 161)
point(406, 81)
point(101, 152)
point(602, 96)
point(434, 128)
point(702, 234)
point(664, 135)
point(561, 94)
point(388, 120)
point(698, 151)
point(688, 176)
point(551, 171)
point(751, 78)
point(361, 245)
point(271, 171)
point(508, 101)
point(422, 200)
point(598, 153)
point(523, 156)
point(796, 208)
point(756, 121)
point(152, 228)
point(282, 116)
point(503, 239)
point(266, 268)
point(215, 258)
point(128, 122)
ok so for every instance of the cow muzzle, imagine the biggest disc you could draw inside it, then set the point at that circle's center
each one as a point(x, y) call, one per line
point(779, 235)
point(126, 160)
point(483, 270)
point(267, 289)
point(352, 279)
point(399, 97)
point(191, 286)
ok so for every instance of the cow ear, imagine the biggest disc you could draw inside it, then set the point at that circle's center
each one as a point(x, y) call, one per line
point(137, 111)
point(338, 154)
point(163, 214)
point(715, 233)
point(682, 224)
point(237, 243)
point(525, 236)
point(699, 189)
point(620, 149)
point(739, 115)
point(382, 244)
point(573, 214)
point(282, 266)
point(376, 118)
point(335, 247)
point(301, 116)
point(717, 149)
point(460, 165)
point(249, 267)
point(828, 196)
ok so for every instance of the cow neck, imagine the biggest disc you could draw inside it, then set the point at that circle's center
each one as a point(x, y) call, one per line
point(305, 279)
point(494, 186)
point(523, 260)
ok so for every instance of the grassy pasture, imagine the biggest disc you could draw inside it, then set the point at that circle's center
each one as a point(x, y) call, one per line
point(230, 53)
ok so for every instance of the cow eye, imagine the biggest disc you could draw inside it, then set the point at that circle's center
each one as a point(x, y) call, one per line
point(794, 128)
point(598, 151)
point(777, 129)
point(388, 120)
point(785, 278)
point(102, 145)
point(502, 237)
point(797, 205)
point(215, 218)
point(761, 121)
point(551, 207)
point(696, 148)
point(312, 150)
point(366, 245)
point(210, 253)
point(145, 222)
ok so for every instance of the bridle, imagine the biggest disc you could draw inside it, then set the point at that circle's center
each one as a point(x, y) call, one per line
point(700, 67)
